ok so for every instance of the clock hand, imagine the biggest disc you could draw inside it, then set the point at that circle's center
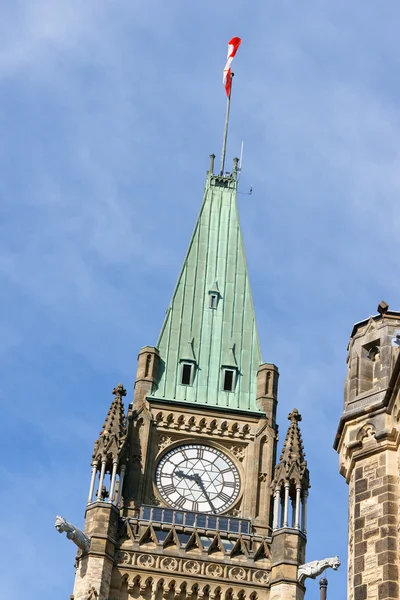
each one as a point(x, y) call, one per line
point(197, 479)
point(203, 489)
point(186, 476)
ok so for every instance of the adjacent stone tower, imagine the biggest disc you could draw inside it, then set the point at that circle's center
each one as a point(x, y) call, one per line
point(368, 444)
point(190, 503)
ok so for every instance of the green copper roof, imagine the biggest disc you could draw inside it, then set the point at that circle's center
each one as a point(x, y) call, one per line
point(212, 338)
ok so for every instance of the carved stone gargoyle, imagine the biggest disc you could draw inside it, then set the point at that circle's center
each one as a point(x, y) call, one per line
point(73, 533)
point(92, 593)
point(316, 567)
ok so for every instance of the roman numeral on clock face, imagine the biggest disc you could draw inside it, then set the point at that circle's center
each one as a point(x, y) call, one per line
point(180, 502)
point(169, 489)
point(224, 497)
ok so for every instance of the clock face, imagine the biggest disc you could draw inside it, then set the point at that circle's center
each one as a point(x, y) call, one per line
point(199, 478)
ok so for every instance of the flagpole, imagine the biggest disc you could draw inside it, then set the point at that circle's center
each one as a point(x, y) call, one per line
point(224, 139)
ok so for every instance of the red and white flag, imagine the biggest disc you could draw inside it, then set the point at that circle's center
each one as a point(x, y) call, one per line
point(233, 45)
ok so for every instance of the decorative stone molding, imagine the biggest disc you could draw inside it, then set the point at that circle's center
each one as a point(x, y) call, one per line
point(163, 441)
point(191, 566)
point(146, 560)
point(171, 564)
point(123, 558)
point(184, 422)
point(238, 452)
point(262, 577)
point(237, 573)
point(214, 570)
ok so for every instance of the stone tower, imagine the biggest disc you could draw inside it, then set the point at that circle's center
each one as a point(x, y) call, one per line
point(367, 441)
point(186, 500)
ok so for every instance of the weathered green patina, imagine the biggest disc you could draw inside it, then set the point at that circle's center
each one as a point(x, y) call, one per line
point(210, 322)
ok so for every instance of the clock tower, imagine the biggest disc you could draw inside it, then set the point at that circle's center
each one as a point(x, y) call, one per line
point(187, 499)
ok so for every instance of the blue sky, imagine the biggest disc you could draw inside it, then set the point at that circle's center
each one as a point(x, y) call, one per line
point(108, 113)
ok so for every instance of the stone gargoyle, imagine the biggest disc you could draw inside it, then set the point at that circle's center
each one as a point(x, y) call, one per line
point(73, 533)
point(316, 567)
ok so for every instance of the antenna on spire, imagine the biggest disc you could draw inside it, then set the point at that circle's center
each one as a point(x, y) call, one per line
point(240, 160)
point(233, 45)
point(224, 139)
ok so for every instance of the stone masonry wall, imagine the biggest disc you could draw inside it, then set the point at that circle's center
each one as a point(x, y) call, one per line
point(373, 534)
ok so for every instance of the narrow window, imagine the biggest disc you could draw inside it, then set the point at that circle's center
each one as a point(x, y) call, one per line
point(186, 374)
point(213, 300)
point(229, 380)
point(148, 361)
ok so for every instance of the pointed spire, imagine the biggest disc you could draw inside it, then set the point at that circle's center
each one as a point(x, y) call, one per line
point(112, 436)
point(211, 306)
point(292, 463)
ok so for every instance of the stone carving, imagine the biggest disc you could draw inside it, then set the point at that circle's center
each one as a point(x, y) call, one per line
point(235, 512)
point(92, 593)
point(123, 558)
point(239, 452)
point(237, 573)
point(171, 564)
point(191, 566)
point(145, 560)
point(214, 570)
point(316, 567)
point(164, 441)
point(261, 577)
point(154, 500)
point(73, 533)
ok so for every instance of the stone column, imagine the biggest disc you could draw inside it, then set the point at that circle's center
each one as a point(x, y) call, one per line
point(113, 477)
point(275, 523)
point(101, 480)
point(92, 482)
point(121, 484)
point(293, 512)
point(286, 506)
point(304, 512)
point(298, 502)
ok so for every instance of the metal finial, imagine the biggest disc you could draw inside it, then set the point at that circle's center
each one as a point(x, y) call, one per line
point(212, 158)
point(323, 584)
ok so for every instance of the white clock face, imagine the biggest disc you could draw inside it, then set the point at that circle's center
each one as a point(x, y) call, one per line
point(199, 478)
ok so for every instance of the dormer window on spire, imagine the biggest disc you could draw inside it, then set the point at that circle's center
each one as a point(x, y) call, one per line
point(214, 296)
point(187, 365)
point(229, 379)
point(230, 369)
point(213, 300)
point(187, 373)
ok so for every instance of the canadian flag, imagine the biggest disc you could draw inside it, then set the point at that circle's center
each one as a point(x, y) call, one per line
point(233, 45)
